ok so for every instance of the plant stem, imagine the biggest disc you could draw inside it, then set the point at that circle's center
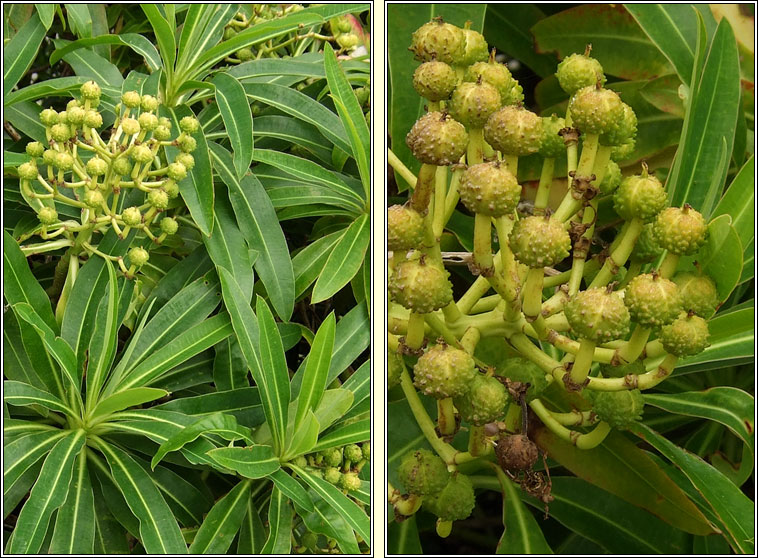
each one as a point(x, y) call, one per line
point(668, 265)
point(532, 292)
point(446, 416)
point(477, 441)
point(582, 361)
point(627, 239)
point(633, 348)
point(400, 168)
point(543, 190)
point(582, 441)
point(483, 243)
point(414, 337)
point(475, 149)
point(440, 191)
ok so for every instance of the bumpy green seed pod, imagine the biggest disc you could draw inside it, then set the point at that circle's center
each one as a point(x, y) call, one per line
point(48, 157)
point(624, 151)
point(685, 336)
point(698, 293)
point(620, 409)
point(472, 103)
point(169, 225)
point(245, 54)
point(622, 130)
point(60, 132)
point(186, 143)
point(420, 286)
point(476, 48)
point(63, 117)
point(525, 371)
point(514, 131)
point(189, 124)
point(138, 256)
point(47, 216)
point(437, 139)
point(595, 111)
point(348, 40)
point(422, 472)
point(394, 369)
point(148, 121)
point(165, 121)
point(652, 300)
point(176, 171)
point(405, 228)
point(76, 115)
point(611, 180)
point(64, 161)
point(646, 248)
point(353, 453)
point(636, 368)
point(350, 481)
point(48, 117)
point(162, 133)
point(332, 457)
point(149, 103)
point(434, 80)
point(438, 40)
point(93, 119)
point(598, 315)
point(640, 196)
point(132, 216)
point(130, 126)
point(577, 71)
point(444, 371)
point(96, 166)
point(158, 199)
point(171, 188)
point(332, 475)
point(485, 401)
point(489, 189)
point(142, 154)
point(27, 171)
point(538, 241)
point(456, 500)
point(90, 90)
point(93, 198)
point(71, 104)
point(131, 99)
point(122, 166)
point(185, 159)
point(495, 74)
point(680, 231)
point(552, 145)
point(35, 149)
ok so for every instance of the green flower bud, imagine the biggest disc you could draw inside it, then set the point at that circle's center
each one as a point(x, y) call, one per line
point(177, 172)
point(394, 369)
point(161, 133)
point(489, 189)
point(332, 475)
point(680, 231)
point(519, 369)
point(539, 241)
point(353, 453)
point(64, 161)
point(646, 249)
point(48, 157)
point(93, 198)
point(698, 293)
point(27, 171)
point(122, 166)
point(76, 115)
point(611, 180)
point(138, 256)
point(475, 47)
point(72, 104)
point(685, 336)
point(332, 457)
point(473, 103)
point(132, 216)
point(577, 71)
point(420, 286)
point(96, 166)
point(169, 225)
point(444, 371)
point(640, 196)
point(552, 144)
point(348, 40)
point(35, 149)
point(148, 121)
point(171, 188)
point(422, 472)
point(63, 117)
point(245, 54)
point(158, 199)
point(652, 300)
point(598, 315)
point(438, 40)
point(189, 124)
point(624, 151)
point(595, 111)
point(366, 450)
point(149, 103)
point(186, 143)
point(454, 502)
point(620, 409)
point(485, 401)
point(48, 117)
point(142, 154)
point(350, 481)
point(131, 99)
point(165, 121)
point(405, 228)
point(60, 132)
point(47, 216)
point(437, 139)
point(497, 75)
point(434, 80)
point(90, 90)
point(185, 159)
point(93, 119)
point(229, 32)
point(514, 131)
point(130, 126)
point(622, 130)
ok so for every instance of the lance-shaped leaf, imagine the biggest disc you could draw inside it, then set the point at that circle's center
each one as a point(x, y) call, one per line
point(21, 51)
point(302, 439)
point(20, 455)
point(521, 532)
point(292, 489)
point(75, 523)
point(280, 524)
point(253, 462)
point(252, 534)
point(21, 394)
point(345, 260)
point(47, 495)
point(135, 41)
point(217, 531)
point(223, 425)
point(238, 119)
point(350, 434)
point(316, 369)
point(325, 520)
point(163, 34)
point(159, 532)
point(102, 347)
point(124, 399)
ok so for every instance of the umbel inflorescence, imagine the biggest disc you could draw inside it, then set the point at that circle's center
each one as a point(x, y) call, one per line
point(618, 319)
point(85, 180)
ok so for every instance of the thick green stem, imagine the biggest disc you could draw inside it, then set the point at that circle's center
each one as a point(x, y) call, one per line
point(632, 381)
point(589, 152)
point(581, 248)
point(512, 419)
point(483, 243)
point(477, 441)
point(475, 149)
point(511, 163)
point(477, 290)
point(414, 337)
point(470, 339)
point(424, 188)
point(582, 441)
point(542, 197)
point(619, 256)
point(582, 361)
point(633, 348)
point(532, 305)
point(71, 274)
point(446, 416)
point(440, 191)
point(668, 265)
point(453, 195)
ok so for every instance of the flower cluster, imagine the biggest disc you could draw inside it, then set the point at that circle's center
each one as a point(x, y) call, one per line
point(620, 317)
point(339, 466)
point(118, 178)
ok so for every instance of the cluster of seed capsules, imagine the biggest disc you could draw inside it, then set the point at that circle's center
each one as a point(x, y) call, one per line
point(339, 466)
point(621, 317)
point(94, 173)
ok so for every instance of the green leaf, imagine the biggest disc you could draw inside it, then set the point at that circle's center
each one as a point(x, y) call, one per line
point(350, 434)
point(309, 262)
point(20, 52)
point(203, 29)
point(349, 510)
point(21, 394)
point(46, 14)
point(229, 366)
point(75, 522)
point(325, 520)
point(124, 399)
point(134, 41)
point(696, 177)
point(624, 470)
point(351, 115)
point(732, 342)
point(13, 494)
point(273, 383)
point(21, 454)
point(217, 531)
point(302, 440)
point(159, 532)
point(238, 120)
point(522, 533)
point(227, 247)
point(280, 524)
point(25, 117)
point(89, 64)
point(244, 404)
point(732, 507)
point(102, 347)
point(260, 227)
point(19, 285)
point(164, 35)
point(403, 538)
point(253, 462)
point(197, 188)
point(223, 425)
point(607, 520)
point(47, 495)
point(359, 383)
point(252, 534)
point(517, 41)
point(292, 489)
point(344, 261)
point(316, 369)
